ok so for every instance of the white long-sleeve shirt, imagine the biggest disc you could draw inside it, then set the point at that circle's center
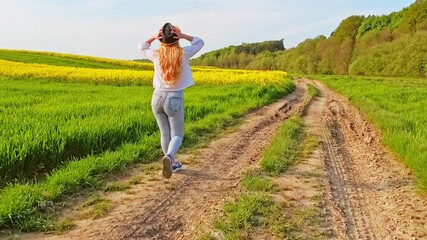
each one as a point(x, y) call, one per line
point(186, 79)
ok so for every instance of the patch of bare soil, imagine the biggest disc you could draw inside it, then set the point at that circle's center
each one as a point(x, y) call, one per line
point(371, 195)
point(178, 208)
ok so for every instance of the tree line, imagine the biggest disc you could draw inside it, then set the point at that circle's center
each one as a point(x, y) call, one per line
point(387, 45)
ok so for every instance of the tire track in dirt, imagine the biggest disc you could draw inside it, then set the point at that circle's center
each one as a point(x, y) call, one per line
point(179, 207)
point(348, 199)
point(370, 194)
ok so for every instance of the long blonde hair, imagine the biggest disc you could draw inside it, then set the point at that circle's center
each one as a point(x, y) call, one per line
point(170, 58)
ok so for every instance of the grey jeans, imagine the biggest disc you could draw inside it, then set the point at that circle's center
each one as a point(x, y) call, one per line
point(168, 109)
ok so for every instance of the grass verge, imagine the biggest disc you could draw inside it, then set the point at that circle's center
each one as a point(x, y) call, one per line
point(283, 151)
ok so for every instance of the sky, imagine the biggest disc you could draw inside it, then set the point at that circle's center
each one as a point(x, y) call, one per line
point(113, 28)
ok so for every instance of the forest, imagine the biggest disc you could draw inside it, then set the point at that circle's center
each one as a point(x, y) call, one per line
point(387, 45)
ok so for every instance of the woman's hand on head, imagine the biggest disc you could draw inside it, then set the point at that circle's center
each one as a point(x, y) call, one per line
point(178, 33)
point(159, 34)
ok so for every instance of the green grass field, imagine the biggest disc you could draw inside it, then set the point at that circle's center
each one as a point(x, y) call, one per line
point(398, 107)
point(67, 60)
point(49, 124)
point(59, 138)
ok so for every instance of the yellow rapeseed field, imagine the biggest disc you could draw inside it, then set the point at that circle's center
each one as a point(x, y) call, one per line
point(19, 70)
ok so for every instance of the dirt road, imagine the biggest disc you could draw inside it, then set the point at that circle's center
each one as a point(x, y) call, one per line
point(367, 193)
point(371, 195)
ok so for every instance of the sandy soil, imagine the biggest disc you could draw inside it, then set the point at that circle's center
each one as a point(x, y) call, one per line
point(367, 193)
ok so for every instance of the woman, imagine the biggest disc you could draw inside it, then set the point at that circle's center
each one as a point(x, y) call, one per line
point(172, 74)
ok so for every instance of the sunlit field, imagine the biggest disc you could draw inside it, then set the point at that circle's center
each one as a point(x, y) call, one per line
point(65, 126)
